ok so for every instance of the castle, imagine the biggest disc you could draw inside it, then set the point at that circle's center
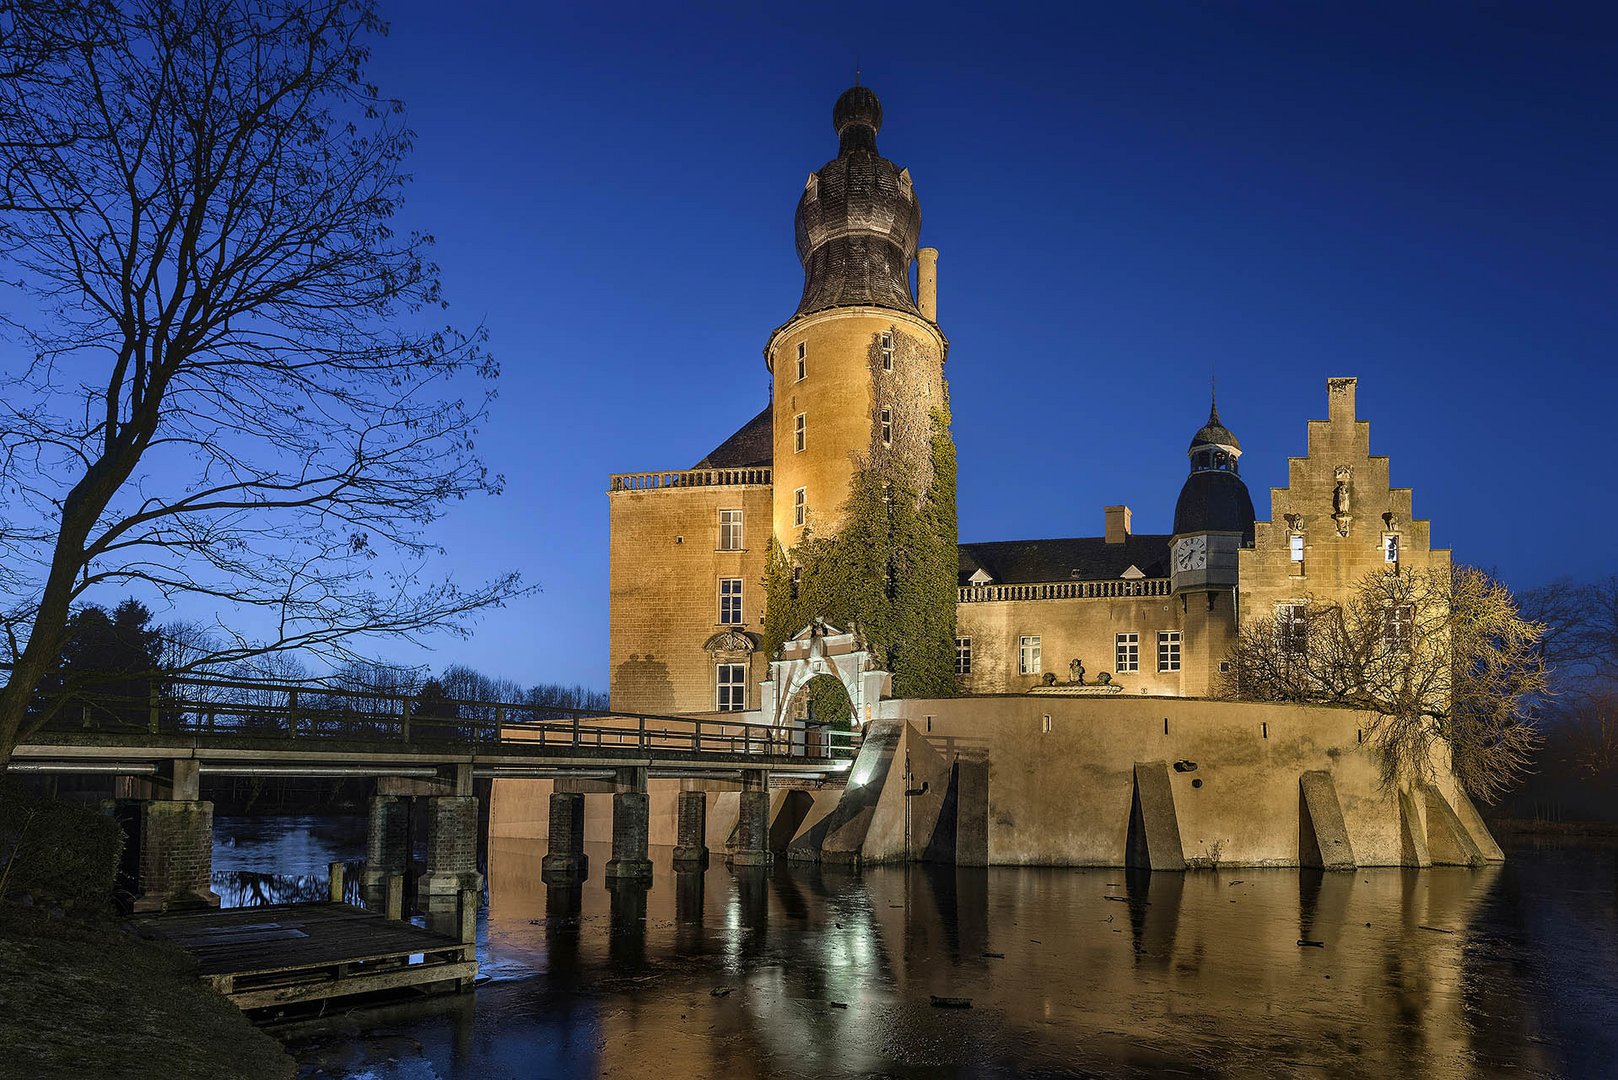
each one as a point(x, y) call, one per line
point(854, 446)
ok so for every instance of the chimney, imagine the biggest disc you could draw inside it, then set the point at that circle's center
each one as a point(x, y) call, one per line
point(1117, 524)
point(927, 283)
point(1340, 400)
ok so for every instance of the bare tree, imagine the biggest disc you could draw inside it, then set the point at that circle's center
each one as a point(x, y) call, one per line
point(232, 386)
point(1436, 657)
point(1590, 729)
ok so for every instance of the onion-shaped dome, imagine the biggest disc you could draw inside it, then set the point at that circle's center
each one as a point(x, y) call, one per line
point(858, 223)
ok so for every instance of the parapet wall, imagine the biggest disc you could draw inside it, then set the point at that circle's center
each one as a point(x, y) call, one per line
point(1062, 778)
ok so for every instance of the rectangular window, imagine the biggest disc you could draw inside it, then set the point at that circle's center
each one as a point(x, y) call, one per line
point(803, 360)
point(1292, 628)
point(799, 424)
point(1127, 647)
point(800, 506)
point(1028, 660)
point(730, 601)
point(963, 656)
point(1168, 650)
point(887, 427)
point(731, 683)
point(730, 530)
point(887, 352)
point(1295, 544)
point(1398, 627)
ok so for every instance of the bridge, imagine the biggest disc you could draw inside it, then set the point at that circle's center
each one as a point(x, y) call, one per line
point(161, 734)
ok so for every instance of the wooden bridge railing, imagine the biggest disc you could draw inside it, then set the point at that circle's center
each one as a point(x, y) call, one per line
point(206, 706)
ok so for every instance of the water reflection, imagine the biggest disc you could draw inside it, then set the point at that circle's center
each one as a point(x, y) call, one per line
point(813, 971)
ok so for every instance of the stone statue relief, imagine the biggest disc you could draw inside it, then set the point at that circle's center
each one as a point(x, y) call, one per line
point(1340, 501)
point(1294, 523)
point(1075, 672)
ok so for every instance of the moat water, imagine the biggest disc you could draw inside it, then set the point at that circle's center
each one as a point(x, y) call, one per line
point(802, 972)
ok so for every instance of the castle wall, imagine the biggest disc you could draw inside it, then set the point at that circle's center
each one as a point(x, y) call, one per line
point(664, 567)
point(1060, 792)
point(1082, 628)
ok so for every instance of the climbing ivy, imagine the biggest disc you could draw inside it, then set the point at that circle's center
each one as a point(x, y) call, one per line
point(827, 702)
point(891, 572)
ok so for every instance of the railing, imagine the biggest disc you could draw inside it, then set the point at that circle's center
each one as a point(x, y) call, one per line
point(205, 707)
point(688, 478)
point(1065, 590)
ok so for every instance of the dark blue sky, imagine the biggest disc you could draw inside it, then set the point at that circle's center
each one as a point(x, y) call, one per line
point(1126, 198)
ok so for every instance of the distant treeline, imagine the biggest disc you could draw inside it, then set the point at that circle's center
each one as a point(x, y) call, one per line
point(1576, 771)
point(118, 669)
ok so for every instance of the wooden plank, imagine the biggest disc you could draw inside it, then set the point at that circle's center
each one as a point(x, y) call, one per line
point(414, 975)
point(224, 935)
point(265, 962)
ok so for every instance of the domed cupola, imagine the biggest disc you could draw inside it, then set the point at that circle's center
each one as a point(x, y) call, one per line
point(1214, 499)
point(858, 222)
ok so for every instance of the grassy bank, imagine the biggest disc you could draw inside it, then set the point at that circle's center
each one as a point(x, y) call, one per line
point(83, 997)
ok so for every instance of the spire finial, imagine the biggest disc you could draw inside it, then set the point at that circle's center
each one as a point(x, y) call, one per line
point(1213, 398)
point(856, 71)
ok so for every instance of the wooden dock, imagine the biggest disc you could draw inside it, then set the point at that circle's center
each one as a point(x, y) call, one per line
point(285, 954)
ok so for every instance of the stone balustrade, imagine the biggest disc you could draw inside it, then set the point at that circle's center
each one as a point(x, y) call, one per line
point(689, 478)
point(1110, 589)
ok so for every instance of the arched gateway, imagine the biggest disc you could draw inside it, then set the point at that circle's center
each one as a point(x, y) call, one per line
point(816, 653)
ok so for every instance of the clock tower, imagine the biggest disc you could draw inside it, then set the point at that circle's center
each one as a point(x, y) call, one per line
point(1213, 521)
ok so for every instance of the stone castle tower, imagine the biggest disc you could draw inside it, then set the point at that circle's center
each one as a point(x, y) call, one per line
point(860, 365)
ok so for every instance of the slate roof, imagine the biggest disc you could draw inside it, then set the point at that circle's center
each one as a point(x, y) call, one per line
point(752, 445)
point(1214, 500)
point(1214, 432)
point(1083, 558)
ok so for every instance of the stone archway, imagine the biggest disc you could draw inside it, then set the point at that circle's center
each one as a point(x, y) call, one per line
point(822, 708)
point(819, 649)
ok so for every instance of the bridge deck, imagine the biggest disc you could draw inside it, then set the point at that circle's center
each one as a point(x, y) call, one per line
point(509, 756)
point(225, 723)
point(285, 954)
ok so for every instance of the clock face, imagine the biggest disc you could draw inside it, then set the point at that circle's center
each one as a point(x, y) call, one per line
point(1191, 553)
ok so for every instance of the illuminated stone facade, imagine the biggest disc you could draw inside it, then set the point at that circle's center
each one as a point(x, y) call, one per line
point(856, 373)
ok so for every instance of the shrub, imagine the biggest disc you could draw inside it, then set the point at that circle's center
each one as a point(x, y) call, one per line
point(56, 850)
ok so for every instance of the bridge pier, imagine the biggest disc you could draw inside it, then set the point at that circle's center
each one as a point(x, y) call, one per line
point(750, 842)
point(168, 861)
point(630, 826)
point(565, 858)
point(452, 851)
point(386, 841)
point(691, 831)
